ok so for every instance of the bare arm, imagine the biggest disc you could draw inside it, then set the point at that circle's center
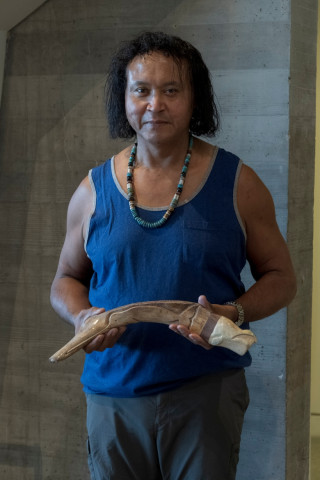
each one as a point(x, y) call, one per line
point(70, 287)
point(267, 251)
point(267, 254)
point(69, 291)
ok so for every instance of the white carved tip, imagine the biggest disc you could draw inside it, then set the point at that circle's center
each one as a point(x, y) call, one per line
point(227, 334)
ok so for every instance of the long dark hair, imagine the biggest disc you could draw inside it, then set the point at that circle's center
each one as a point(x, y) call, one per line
point(205, 117)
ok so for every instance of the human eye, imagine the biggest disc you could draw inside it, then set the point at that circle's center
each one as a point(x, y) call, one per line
point(141, 91)
point(171, 91)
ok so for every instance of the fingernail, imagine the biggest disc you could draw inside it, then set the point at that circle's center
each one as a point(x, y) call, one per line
point(113, 333)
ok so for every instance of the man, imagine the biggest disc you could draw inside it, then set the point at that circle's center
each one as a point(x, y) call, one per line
point(172, 218)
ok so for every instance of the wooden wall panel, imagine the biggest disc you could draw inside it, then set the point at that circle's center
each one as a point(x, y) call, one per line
point(300, 230)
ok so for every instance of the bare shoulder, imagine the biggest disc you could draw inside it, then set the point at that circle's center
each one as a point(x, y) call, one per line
point(73, 261)
point(81, 204)
point(255, 202)
point(251, 186)
point(83, 192)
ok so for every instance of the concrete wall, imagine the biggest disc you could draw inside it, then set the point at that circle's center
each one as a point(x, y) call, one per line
point(13, 12)
point(52, 130)
point(3, 40)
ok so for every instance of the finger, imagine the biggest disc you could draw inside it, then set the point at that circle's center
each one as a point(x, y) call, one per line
point(174, 328)
point(111, 337)
point(106, 340)
point(84, 315)
point(192, 337)
point(197, 340)
point(94, 344)
point(202, 300)
point(184, 330)
point(181, 330)
point(189, 335)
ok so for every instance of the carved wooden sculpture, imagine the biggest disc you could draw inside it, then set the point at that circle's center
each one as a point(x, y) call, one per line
point(216, 330)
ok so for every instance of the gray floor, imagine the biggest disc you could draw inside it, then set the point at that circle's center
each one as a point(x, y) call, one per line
point(315, 458)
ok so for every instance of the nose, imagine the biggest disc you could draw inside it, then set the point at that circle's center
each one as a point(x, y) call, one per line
point(155, 102)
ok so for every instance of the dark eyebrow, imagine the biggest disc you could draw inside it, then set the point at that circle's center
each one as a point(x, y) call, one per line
point(137, 83)
point(173, 83)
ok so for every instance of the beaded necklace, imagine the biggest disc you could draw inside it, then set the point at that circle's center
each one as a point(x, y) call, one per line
point(176, 196)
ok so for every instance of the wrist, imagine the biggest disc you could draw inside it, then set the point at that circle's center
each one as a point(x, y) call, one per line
point(238, 308)
point(228, 311)
point(80, 317)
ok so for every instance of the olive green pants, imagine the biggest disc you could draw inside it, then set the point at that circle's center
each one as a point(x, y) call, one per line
point(190, 433)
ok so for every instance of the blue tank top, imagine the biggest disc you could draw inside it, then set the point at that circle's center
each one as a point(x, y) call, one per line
point(200, 250)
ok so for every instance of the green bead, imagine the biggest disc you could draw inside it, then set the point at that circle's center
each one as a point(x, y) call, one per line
point(174, 201)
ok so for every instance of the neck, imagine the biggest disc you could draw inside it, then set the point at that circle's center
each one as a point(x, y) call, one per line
point(160, 155)
point(175, 199)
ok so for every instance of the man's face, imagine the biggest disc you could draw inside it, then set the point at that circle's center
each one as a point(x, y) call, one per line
point(158, 98)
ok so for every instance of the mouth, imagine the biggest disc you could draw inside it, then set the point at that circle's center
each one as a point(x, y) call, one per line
point(155, 122)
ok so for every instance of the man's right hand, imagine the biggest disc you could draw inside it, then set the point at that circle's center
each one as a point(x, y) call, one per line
point(102, 340)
